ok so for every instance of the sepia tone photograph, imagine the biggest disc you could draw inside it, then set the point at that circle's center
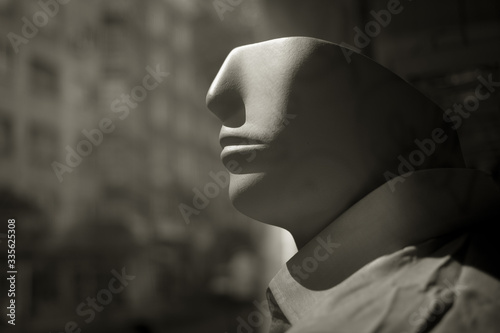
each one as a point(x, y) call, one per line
point(249, 166)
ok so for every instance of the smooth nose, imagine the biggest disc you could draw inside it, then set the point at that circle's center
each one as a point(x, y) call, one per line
point(225, 96)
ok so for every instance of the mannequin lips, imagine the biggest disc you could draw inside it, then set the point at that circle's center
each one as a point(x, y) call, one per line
point(241, 150)
point(236, 140)
point(244, 150)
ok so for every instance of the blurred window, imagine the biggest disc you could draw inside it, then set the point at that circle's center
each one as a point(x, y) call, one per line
point(44, 78)
point(46, 198)
point(161, 111)
point(115, 27)
point(45, 289)
point(42, 144)
point(116, 43)
point(157, 19)
point(6, 136)
point(6, 62)
point(6, 7)
point(53, 28)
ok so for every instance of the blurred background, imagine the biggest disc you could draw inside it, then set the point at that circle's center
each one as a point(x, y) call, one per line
point(138, 200)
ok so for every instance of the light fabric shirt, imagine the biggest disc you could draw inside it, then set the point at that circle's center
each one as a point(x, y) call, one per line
point(421, 258)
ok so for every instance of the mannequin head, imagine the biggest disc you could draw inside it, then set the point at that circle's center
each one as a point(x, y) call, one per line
point(305, 134)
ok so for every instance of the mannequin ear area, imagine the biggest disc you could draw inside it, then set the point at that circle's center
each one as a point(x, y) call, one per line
point(379, 87)
point(322, 60)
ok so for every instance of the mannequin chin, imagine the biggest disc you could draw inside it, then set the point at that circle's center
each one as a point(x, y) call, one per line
point(296, 196)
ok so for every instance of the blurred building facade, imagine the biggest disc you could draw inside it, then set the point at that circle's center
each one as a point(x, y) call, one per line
point(119, 206)
point(444, 49)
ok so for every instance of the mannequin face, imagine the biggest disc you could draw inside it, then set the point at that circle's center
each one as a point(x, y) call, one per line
point(303, 138)
point(285, 133)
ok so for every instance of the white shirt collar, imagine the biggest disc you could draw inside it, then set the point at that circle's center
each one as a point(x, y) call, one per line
point(429, 204)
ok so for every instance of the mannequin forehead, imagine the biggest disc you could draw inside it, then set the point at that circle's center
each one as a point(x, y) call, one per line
point(279, 59)
point(278, 68)
point(274, 75)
